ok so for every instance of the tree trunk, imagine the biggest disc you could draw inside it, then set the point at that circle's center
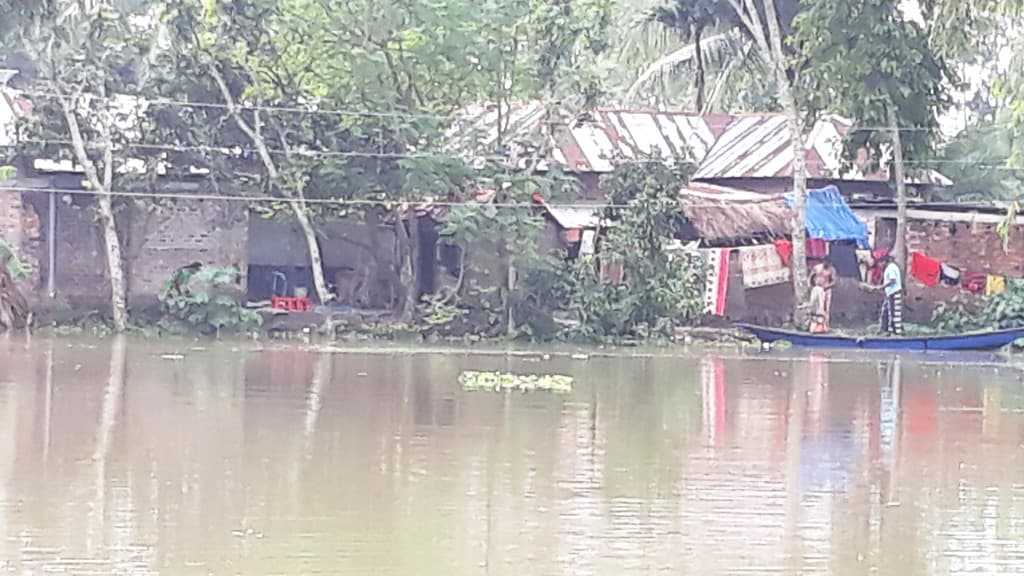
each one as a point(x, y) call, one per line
point(412, 297)
point(316, 262)
point(798, 225)
point(406, 274)
point(698, 77)
point(118, 285)
point(371, 218)
point(104, 201)
point(900, 246)
point(295, 197)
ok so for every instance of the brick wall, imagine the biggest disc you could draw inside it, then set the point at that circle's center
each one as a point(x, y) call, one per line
point(19, 228)
point(971, 247)
point(81, 276)
point(153, 246)
point(976, 247)
point(210, 232)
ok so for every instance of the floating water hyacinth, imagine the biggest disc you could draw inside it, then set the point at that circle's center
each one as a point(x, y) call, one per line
point(498, 381)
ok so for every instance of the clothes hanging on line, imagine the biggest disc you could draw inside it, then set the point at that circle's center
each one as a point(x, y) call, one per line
point(816, 248)
point(717, 281)
point(926, 270)
point(879, 267)
point(843, 254)
point(995, 284)
point(762, 266)
point(949, 275)
point(785, 250)
point(864, 263)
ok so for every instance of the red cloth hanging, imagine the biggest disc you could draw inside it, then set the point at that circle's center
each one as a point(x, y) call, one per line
point(785, 250)
point(973, 282)
point(878, 270)
point(926, 270)
point(817, 248)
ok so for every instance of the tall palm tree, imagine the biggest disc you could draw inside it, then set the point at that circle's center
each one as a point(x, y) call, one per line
point(692, 20)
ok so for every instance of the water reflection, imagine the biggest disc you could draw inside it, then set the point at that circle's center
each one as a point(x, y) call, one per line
point(134, 458)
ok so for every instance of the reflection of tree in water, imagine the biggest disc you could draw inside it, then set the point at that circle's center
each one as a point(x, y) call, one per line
point(105, 432)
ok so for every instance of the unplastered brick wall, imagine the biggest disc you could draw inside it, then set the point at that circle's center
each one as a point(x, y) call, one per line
point(968, 246)
point(214, 233)
point(975, 247)
point(81, 276)
point(154, 245)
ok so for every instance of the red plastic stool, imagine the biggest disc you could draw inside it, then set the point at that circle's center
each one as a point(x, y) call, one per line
point(291, 304)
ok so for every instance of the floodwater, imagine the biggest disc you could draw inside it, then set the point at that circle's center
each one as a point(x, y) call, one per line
point(160, 458)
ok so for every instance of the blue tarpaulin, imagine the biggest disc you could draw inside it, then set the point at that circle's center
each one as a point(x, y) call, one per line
point(830, 218)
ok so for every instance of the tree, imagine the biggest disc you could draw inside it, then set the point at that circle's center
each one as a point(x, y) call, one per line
point(878, 67)
point(978, 161)
point(351, 101)
point(84, 53)
point(692, 19)
point(235, 46)
point(765, 24)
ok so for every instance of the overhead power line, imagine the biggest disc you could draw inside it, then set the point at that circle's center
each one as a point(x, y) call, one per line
point(408, 204)
point(308, 153)
point(451, 117)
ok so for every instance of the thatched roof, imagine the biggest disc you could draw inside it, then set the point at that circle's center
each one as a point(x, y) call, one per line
point(720, 216)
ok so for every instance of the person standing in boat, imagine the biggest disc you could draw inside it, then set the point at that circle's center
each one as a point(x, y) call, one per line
point(823, 279)
point(892, 308)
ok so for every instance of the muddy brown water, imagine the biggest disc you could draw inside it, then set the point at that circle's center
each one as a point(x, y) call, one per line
point(177, 459)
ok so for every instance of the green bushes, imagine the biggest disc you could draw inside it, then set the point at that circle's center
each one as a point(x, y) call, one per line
point(994, 311)
point(205, 300)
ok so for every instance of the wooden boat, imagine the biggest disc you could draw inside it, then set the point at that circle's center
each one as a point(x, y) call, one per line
point(990, 340)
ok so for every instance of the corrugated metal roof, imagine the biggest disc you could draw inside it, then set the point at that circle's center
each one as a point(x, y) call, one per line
point(722, 145)
point(576, 217)
point(758, 146)
point(590, 143)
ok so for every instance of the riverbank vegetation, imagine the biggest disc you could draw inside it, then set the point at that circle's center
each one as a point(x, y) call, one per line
point(346, 109)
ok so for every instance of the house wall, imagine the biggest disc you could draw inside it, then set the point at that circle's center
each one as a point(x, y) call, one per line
point(971, 247)
point(969, 241)
point(209, 232)
point(19, 228)
point(975, 247)
point(773, 305)
point(154, 245)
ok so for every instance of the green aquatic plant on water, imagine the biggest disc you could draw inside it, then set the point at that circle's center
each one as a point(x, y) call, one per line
point(500, 381)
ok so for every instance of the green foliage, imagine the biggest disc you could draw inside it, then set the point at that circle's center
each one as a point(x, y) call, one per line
point(18, 269)
point(994, 311)
point(863, 58)
point(977, 161)
point(206, 302)
point(558, 298)
point(660, 289)
point(435, 311)
point(511, 229)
